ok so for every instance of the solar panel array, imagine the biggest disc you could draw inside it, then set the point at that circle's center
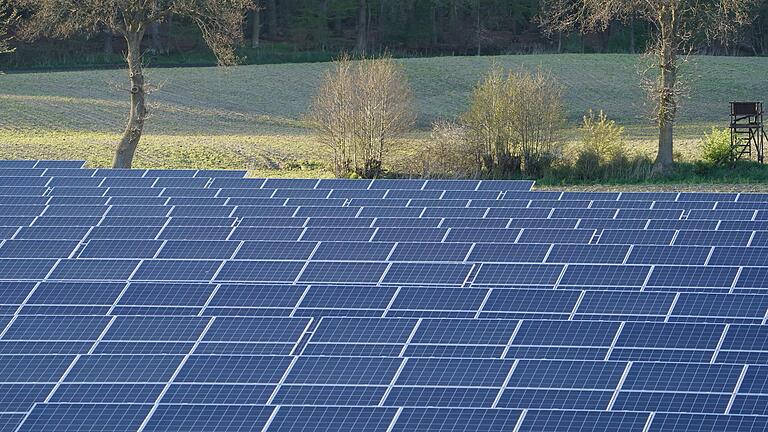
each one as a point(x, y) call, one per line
point(199, 300)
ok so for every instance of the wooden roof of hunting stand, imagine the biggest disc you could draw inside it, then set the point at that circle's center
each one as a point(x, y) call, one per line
point(747, 130)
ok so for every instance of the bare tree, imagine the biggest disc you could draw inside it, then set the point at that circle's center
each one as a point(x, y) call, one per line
point(676, 24)
point(331, 116)
point(220, 21)
point(360, 111)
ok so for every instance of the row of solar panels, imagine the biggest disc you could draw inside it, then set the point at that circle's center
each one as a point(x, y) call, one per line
point(190, 229)
point(577, 339)
point(533, 253)
point(277, 222)
point(349, 207)
point(76, 187)
point(409, 273)
point(310, 207)
point(112, 417)
point(639, 386)
point(578, 303)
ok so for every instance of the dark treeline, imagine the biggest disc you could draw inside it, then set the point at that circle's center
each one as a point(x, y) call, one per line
point(323, 28)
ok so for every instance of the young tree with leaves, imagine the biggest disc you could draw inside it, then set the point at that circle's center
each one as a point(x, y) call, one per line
point(220, 21)
point(677, 26)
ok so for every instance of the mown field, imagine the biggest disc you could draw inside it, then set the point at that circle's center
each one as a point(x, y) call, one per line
point(251, 116)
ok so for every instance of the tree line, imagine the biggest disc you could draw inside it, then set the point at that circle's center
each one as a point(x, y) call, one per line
point(415, 27)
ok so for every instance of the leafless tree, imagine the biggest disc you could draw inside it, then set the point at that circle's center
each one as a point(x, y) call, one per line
point(359, 112)
point(331, 116)
point(220, 21)
point(676, 24)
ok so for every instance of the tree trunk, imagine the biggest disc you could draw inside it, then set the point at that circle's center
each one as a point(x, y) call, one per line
point(632, 37)
point(479, 28)
point(154, 32)
point(667, 97)
point(108, 46)
point(156, 41)
point(130, 139)
point(168, 33)
point(362, 27)
point(256, 28)
point(272, 18)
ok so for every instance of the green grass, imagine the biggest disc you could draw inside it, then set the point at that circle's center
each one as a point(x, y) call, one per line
point(251, 116)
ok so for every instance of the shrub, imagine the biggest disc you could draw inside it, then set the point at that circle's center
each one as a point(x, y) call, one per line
point(602, 136)
point(516, 119)
point(717, 147)
point(587, 165)
point(448, 154)
point(590, 166)
point(360, 110)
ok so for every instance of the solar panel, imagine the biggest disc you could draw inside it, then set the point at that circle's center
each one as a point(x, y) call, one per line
point(375, 305)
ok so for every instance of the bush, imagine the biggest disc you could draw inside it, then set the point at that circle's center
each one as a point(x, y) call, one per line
point(717, 147)
point(448, 153)
point(360, 110)
point(587, 165)
point(602, 136)
point(515, 118)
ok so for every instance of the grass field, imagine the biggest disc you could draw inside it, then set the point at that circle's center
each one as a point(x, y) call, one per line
point(250, 116)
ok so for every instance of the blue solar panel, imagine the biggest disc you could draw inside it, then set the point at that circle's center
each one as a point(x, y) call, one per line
point(635, 237)
point(436, 419)
point(177, 270)
point(591, 254)
point(259, 271)
point(17, 163)
point(482, 235)
point(518, 274)
point(375, 305)
point(56, 328)
point(411, 273)
point(209, 418)
point(351, 272)
point(426, 252)
point(567, 374)
point(413, 298)
point(37, 248)
point(682, 255)
point(95, 417)
point(329, 419)
point(94, 269)
point(198, 249)
point(352, 251)
point(713, 238)
point(13, 269)
point(120, 249)
point(675, 336)
point(523, 300)
point(585, 421)
point(625, 304)
point(675, 276)
point(191, 232)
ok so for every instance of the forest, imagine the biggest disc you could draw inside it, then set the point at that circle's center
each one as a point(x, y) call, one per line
point(280, 31)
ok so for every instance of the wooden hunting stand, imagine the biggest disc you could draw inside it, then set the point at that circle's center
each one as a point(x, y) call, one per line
point(747, 130)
